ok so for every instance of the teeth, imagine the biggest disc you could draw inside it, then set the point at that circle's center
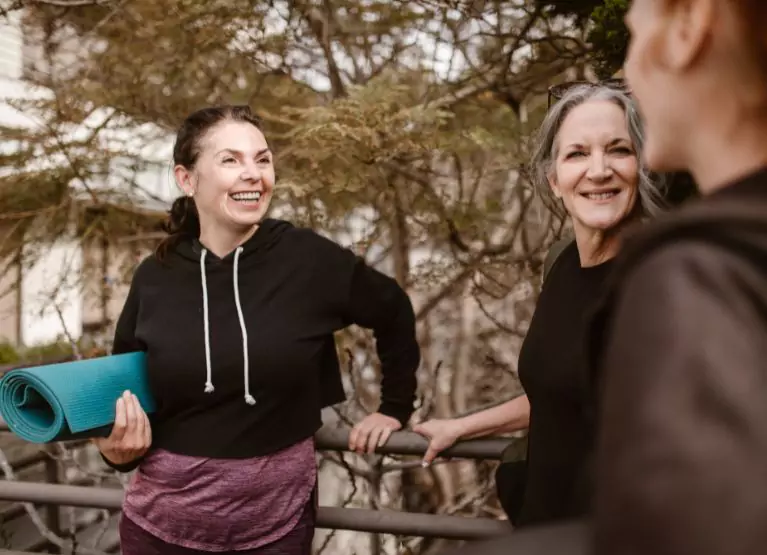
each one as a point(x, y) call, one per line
point(247, 196)
point(601, 196)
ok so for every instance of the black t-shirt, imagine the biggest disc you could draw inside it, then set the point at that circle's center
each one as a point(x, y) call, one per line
point(552, 371)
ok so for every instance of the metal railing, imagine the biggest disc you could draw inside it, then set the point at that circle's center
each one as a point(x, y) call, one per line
point(327, 439)
point(330, 438)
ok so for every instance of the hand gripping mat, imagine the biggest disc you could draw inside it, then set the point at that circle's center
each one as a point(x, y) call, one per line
point(71, 400)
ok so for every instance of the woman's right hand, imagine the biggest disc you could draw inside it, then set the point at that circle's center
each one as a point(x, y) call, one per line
point(131, 434)
point(442, 433)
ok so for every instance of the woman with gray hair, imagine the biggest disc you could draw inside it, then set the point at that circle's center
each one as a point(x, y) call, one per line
point(588, 165)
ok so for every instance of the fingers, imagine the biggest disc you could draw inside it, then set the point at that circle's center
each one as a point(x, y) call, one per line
point(358, 439)
point(147, 430)
point(385, 436)
point(131, 429)
point(422, 429)
point(140, 431)
point(121, 421)
point(431, 453)
point(354, 437)
point(373, 432)
point(373, 438)
point(130, 414)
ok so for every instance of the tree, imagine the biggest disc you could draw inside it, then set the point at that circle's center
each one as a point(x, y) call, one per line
point(606, 31)
point(400, 128)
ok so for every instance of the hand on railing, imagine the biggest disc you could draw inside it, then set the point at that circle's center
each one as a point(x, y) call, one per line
point(131, 434)
point(441, 433)
point(371, 432)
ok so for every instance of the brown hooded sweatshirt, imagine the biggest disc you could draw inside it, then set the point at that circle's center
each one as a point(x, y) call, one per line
point(681, 463)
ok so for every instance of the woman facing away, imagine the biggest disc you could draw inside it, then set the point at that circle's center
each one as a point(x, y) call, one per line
point(681, 344)
point(236, 313)
point(588, 157)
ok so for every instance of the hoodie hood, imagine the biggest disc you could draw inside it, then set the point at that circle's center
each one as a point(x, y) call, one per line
point(733, 217)
point(267, 235)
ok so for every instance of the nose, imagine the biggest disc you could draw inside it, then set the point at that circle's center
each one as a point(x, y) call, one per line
point(250, 171)
point(599, 168)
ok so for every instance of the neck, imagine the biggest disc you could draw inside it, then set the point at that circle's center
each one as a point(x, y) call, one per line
point(223, 241)
point(596, 246)
point(727, 152)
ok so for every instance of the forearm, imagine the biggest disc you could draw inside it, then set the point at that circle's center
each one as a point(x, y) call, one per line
point(511, 416)
point(378, 303)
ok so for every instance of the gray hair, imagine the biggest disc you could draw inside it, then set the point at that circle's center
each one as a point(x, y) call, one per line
point(650, 186)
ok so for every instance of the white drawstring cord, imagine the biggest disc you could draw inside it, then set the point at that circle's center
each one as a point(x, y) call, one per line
point(248, 397)
point(209, 383)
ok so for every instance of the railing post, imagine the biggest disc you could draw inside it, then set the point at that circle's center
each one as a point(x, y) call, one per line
point(52, 511)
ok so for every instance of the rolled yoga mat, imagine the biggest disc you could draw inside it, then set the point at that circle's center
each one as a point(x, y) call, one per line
point(71, 400)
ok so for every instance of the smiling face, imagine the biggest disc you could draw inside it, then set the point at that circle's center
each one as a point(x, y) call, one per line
point(595, 171)
point(232, 180)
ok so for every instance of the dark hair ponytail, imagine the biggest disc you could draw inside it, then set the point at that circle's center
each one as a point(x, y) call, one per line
point(184, 221)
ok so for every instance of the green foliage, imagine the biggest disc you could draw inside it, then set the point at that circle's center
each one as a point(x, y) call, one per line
point(355, 108)
point(41, 354)
point(604, 21)
point(38, 354)
point(609, 36)
point(8, 354)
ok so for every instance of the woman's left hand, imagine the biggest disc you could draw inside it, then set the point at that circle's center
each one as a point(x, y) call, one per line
point(371, 432)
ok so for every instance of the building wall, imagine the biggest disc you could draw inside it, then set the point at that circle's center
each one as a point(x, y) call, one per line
point(9, 303)
point(61, 293)
point(110, 286)
point(10, 48)
point(51, 295)
point(10, 72)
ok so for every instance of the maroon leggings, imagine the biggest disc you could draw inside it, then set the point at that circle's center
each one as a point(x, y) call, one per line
point(134, 540)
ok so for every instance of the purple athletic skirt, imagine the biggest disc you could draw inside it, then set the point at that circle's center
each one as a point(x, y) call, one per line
point(134, 540)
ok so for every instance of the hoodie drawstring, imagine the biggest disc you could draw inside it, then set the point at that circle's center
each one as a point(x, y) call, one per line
point(209, 383)
point(248, 397)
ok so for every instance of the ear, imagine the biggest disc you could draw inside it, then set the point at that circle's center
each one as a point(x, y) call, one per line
point(690, 24)
point(184, 180)
point(552, 178)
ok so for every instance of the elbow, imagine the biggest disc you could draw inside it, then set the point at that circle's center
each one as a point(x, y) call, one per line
point(519, 415)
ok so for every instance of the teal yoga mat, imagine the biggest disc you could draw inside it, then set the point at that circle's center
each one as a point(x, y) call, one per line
point(71, 400)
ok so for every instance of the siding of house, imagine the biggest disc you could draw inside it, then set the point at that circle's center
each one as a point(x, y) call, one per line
point(10, 48)
point(105, 285)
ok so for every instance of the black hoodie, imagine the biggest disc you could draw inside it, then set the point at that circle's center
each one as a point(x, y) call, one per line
point(240, 350)
point(681, 359)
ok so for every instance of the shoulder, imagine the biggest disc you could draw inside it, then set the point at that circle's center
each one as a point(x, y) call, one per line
point(318, 247)
point(555, 253)
point(146, 269)
point(693, 275)
point(561, 258)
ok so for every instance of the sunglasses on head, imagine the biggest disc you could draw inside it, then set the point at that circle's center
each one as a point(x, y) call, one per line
point(556, 92)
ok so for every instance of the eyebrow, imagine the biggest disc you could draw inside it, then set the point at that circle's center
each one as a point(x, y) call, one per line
point(235, 151)
point(619, 140)
point(613, 142)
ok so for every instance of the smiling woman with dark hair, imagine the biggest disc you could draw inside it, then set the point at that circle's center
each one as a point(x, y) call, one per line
point(236, 313)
